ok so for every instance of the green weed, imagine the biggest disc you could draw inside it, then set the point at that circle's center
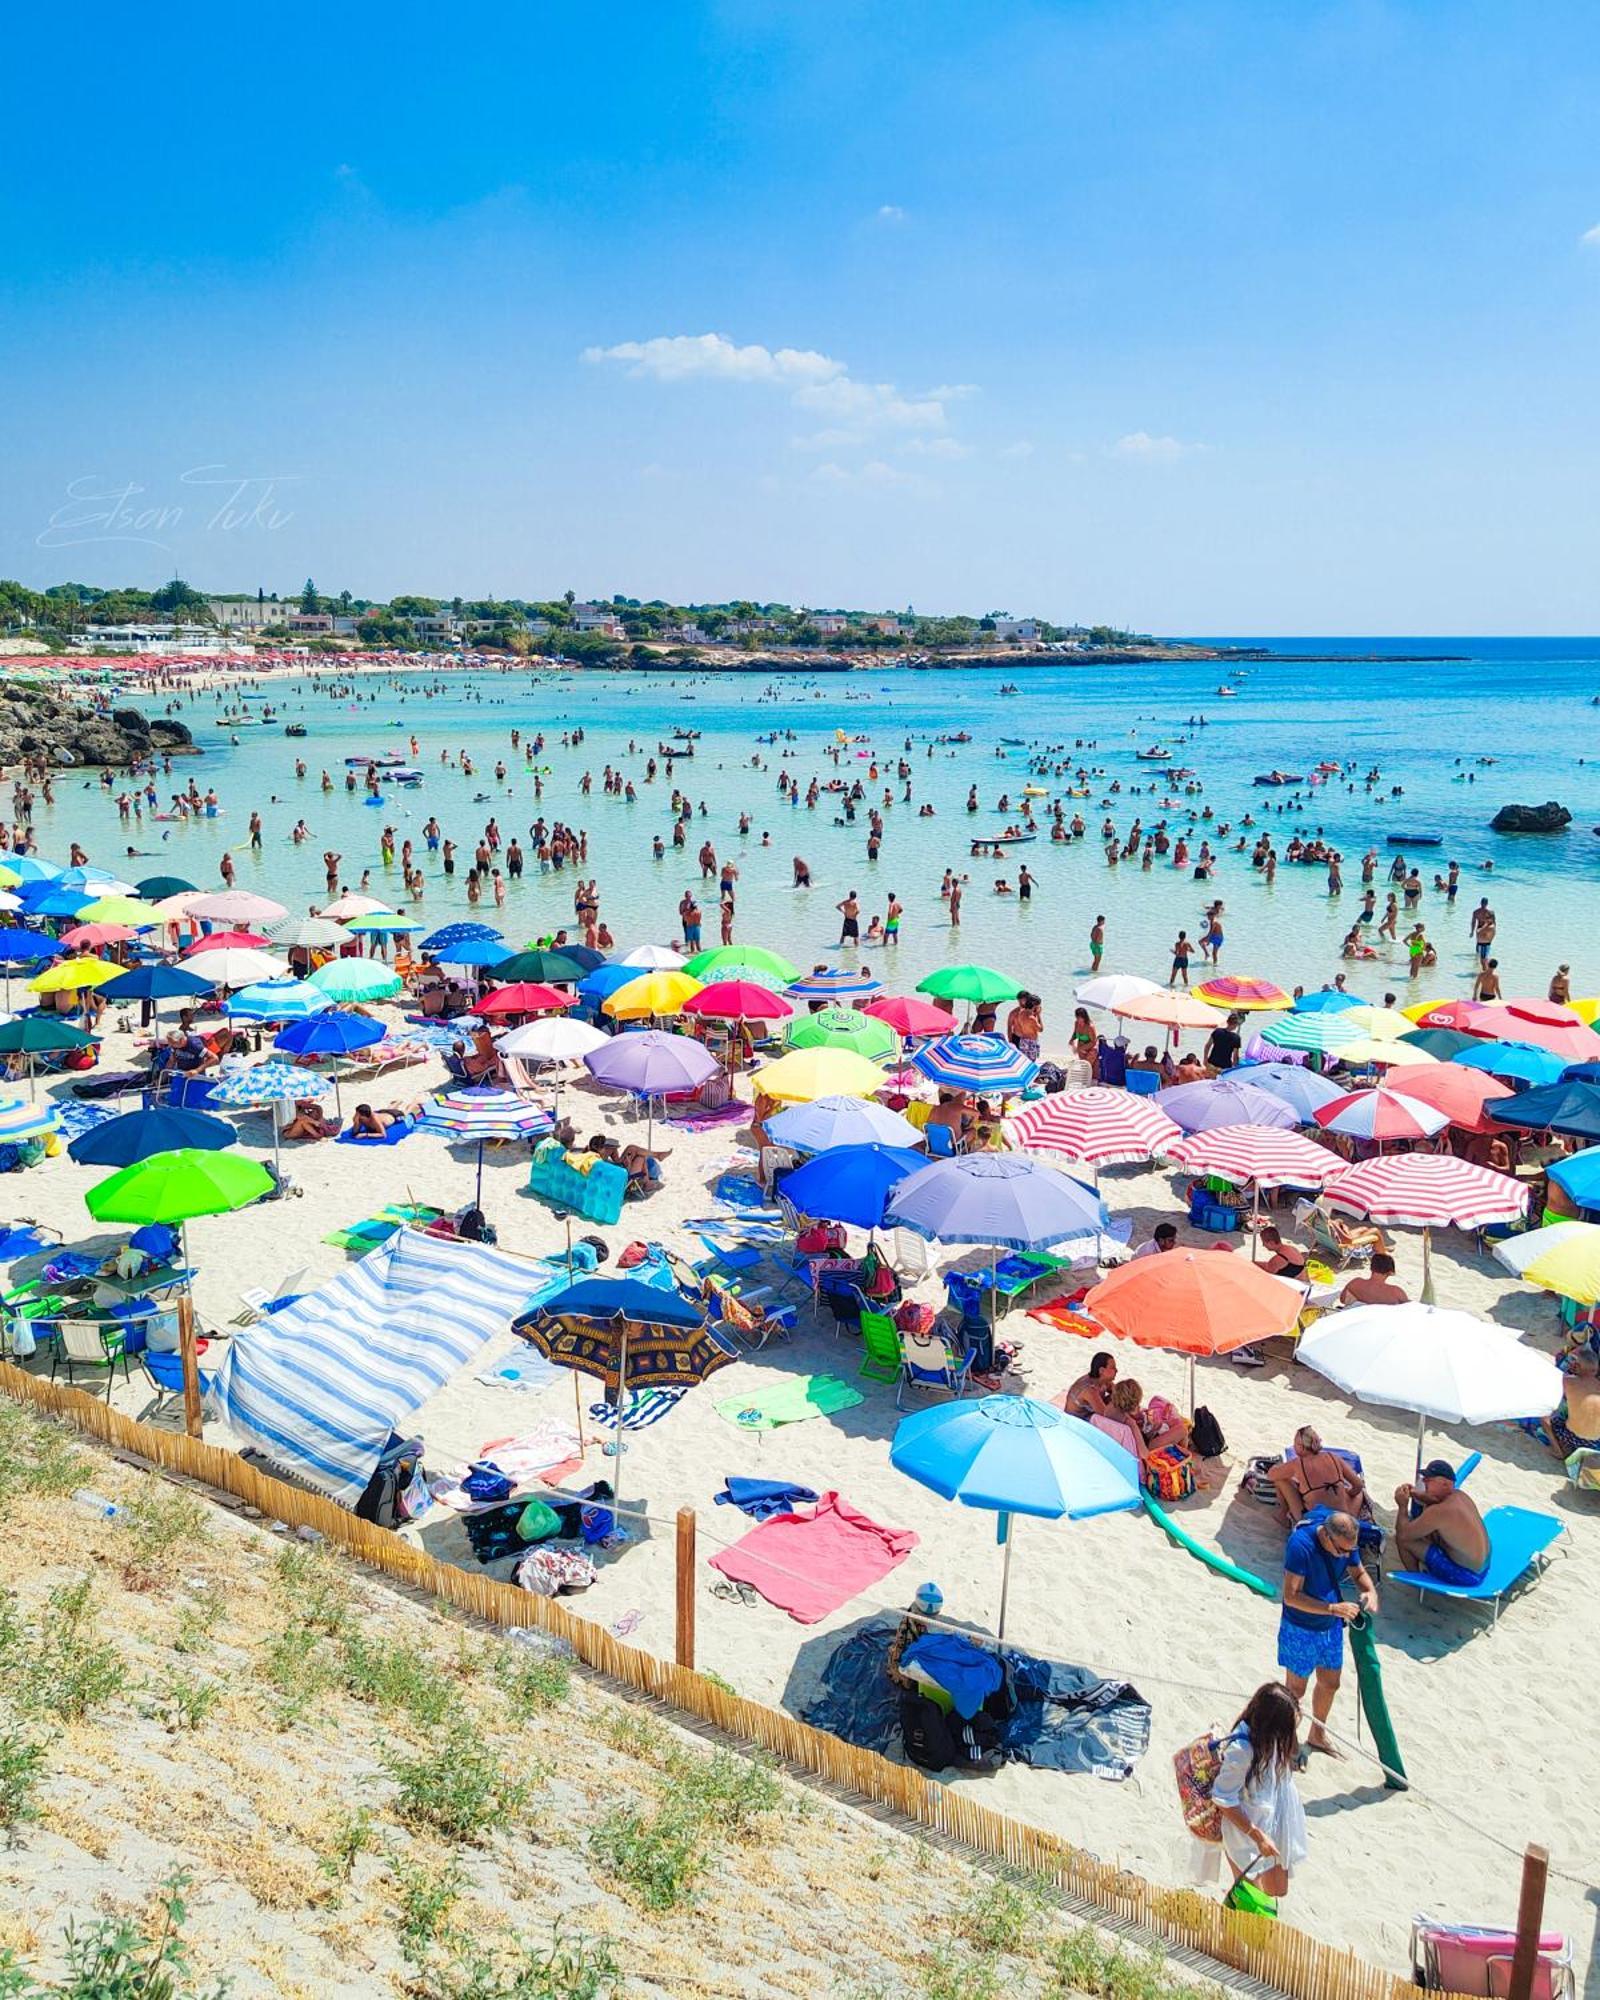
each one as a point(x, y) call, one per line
point(22, 1765)
point(162, 1525)
point(395, 1677)
point(59, 1665)
point(997, 1916)
point(314, 1588)
point(532, 1682)
point(457, 1786)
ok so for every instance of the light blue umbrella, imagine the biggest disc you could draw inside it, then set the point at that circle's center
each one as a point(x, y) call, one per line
point(1319, 1034)
point(1517, 1062)
point(1579, 1176)
point(600, 984)
point(1329, 1000)
point(449, 934)
point(1016, 1456)
point(30, 868)
point(1225, 1100)
point(266, 1085)
point(277, 1000)
point(472, 952)
point(1303, 1090)
point(1000, 1200)
point(974, 1062)
point(827, 1122)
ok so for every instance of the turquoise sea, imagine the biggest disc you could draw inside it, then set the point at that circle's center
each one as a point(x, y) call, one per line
point(1525, 704)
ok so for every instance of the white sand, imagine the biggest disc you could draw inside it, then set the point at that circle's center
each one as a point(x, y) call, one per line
point(1497, 1729)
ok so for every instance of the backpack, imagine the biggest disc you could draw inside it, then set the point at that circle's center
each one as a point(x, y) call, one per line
point(928, 1733)
point(1195, 1767)
point(1205, 1435)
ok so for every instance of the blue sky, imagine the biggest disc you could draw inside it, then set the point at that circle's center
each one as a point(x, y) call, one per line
point(1211, 318)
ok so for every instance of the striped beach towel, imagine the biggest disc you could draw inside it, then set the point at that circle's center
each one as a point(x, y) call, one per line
point(643, 1407)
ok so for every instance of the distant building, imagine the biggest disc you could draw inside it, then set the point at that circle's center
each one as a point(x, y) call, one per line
point(689, 633)
point(829, 623)
point(539, 628)
point(436, 628)
point(251, 614)
point(597, 618)
point(891, 628)
point(1020, 631)
point(310, 622)
point(152, 638)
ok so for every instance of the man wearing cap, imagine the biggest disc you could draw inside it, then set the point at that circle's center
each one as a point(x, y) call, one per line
point(1320, 1552)
point(1439, 1529)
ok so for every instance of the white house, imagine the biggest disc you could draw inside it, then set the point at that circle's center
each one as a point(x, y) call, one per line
point(829, 623)
point(597, 618)
point(1021, 631)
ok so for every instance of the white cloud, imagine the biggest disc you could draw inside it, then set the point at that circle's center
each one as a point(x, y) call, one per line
point(827, 440)
point(1023, 448)
point(815, 382)
point(876, 476)
point(936, 447)
point(891, 212)
point(1591, 237)
point(1140, 444)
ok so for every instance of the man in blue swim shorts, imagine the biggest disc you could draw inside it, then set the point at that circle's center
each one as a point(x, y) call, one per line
point(1439, 1529)
point(1322, 1551)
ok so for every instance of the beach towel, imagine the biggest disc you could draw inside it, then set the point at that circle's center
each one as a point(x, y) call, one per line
point(810, 1564)
point(789, 1402)
point(644, 1407)
point(1067, 1318)
point(522, 1369)
point(547, 1451)
point(762, 1498)
point(734, 1113)
point(402, 1128)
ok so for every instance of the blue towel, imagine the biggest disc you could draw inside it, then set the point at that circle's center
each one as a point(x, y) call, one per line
point(762, 1498)
point(402, 1128)
point(965, 1672)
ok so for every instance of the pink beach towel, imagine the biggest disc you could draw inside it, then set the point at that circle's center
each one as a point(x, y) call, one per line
point(810, 1563)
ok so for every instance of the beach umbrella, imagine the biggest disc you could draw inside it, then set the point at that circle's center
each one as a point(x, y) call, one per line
point(908, 1015)
point(651, 996)
point(308, 933)
point(20, 1118)
point(1455, 1015)
point(453, 934)
point(1002, 1200)
point(95, 937)
point(977, 984)
point(1439, 1044)
point(27, 868)
point(174, 1188)
point(74, 975)
point(603, 982)
point(263, 1088)
point(121, 910)
point(552, 968)
point(583, 955)
point(1115, 990)
point(1427, 1191)
point(476, 953)
point(1326, 1000)
point(20, 945)
point(630, 1336)
point(1578, 1176)
point(851, 1183)
point(1317, 1034)
point(1443, 1365)
point(8, 901)
point(348, 905)
point(554, 1039)
point(1584, 1072)
point(156, 982)
point(1303, 1090)
point(236, 906)
point(159, 1128)
point(523, 997)
point(1224, 1100)
point(1168, 1010)
point(46, 899)
point(1100, 1127)
point(1569, 1106)
point(1562, 1257)
point(321, 1032)
point(1517, 1062)
point(1011, 1455)
point(974, 1062)
point(1239, 994)
point(277, 1000)
point(1194, 1302)
point(653, 958)
point(1381, 1114)
point(1365, 1053)
point(1463, 1095)
point(734, 960)
point(383, 923)
point(235, 965)
point(154, 888)
point(240, 940)
point(827, 1122)
point(834, 983)
point(843, 1028)
point(1256, 1156)
point(351, 980)
point(651, 1065)
point(1375, 1024)
point(807, 1073)
point(1546, 1024)
point(738, 1000)
point(482, 1113)
point(93, 882)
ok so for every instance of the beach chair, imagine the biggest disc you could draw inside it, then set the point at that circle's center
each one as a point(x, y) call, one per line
point(1344, 1242)
point(931, 1361)
point(746, 1316)
point(257, 1299)
point(1142, 1082)
point(1467, 1958)
point(911, 1255)
point(1519, 1541)
point(91, 1344)
point(164, 1373)
point(940, 1141)
point(882, 1358)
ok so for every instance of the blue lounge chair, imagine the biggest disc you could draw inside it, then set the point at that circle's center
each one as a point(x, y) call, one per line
point(1519, 1540)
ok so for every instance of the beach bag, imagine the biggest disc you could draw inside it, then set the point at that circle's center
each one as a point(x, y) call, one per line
point(485, 1483)
point(1195, 1768)
point(1205, 1435)
point(538, 1522)
point(1258, 1478)
point(1168, 1474)
point(929, 1737)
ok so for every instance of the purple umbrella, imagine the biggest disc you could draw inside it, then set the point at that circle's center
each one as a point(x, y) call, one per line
point(1200, 1107)
point(999, 1199)
point(652, 1064)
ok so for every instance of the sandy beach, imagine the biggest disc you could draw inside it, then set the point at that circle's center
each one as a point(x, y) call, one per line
point(1493, 1725)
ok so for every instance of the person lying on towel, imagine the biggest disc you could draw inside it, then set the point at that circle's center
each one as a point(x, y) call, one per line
point(1440, 1529)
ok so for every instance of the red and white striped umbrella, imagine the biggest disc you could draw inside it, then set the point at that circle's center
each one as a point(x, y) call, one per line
point(1381, 1114)
point(1103, 1128)
point(1427, 1191)
point(1257, 1155)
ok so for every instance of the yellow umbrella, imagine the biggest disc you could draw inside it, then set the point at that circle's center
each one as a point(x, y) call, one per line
point(1571, 1266)
point(805, 1074)
point(1368, 1049)
point(1586, 1010)
point(9, 878)
point(1378, 1024)
point(652, 993)
point(71, 975)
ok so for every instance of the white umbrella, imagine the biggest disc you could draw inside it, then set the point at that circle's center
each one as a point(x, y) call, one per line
point(307, 932)
point(555, 1039)
point(357, 906)
point(236, 906)
point(236, 965)
point(1434, 1360)
point(1112, 990)
point(653, 958)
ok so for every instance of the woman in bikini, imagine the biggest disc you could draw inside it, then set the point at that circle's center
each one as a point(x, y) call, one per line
point(1317, 1477)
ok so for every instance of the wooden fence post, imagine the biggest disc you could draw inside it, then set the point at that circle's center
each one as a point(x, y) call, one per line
point(685, 1609)
point(192, 1423)
point(1530, 1920)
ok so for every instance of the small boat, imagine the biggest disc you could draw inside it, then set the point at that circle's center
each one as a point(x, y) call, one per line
point(390, 757)
point(1002, 840)
point(1278, 778)
point(1020, 741)
point(294, 729)
point(1414, 840)
point(1153, 756)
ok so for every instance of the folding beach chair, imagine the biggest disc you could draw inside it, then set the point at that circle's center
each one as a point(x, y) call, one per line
point(882, 1358)
point(1519, 1541)
point(1468, 1958)
point(91, 1344)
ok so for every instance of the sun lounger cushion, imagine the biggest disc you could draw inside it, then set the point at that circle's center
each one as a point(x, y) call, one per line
point(1517, 1538)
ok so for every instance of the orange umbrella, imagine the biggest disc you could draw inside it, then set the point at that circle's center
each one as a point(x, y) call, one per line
point(1194, 1302)
point(1458, 1092)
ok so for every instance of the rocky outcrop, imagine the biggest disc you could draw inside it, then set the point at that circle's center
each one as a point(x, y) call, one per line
point(39, 723)
point(1548, 818)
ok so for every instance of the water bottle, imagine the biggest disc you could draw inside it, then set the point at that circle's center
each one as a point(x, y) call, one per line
point(96, 1503)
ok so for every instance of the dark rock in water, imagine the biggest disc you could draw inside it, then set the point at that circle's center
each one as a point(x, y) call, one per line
point(1548, 818)
point(45, 724)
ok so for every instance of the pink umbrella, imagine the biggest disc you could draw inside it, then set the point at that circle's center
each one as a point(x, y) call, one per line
point(908, 1015)
point(96, 935)
point(738, 1000)
point(1381, 1114)
point(1101, 1127)
point(1427, 1191)
point(225, 941)
point(1255, 1155)
point(1460, 1093)
point(1543, 1022)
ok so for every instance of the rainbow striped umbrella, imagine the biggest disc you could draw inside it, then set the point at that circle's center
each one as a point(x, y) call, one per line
point(482, 1114)
point(975, 1062)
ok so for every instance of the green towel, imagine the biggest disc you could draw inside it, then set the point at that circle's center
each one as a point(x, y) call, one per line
point(789, 1402)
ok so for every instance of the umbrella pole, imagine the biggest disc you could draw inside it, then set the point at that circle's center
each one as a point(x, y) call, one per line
point(1422, 1425)
point(478, 1198)
point(1427, 1267)
point(192, 1423)
point(1191, 1387)
point(33, 1080)
point(1004, 1534)
point(622, 1390)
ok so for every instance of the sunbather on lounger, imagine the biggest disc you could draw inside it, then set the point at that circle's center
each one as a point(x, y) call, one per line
point(1575, 1425)
point(1317, 1477)
point(1439, 1528)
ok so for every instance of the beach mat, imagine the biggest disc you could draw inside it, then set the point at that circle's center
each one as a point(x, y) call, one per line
point(393, 1134)
point(811, 1563)
point(643, 1408)
point(522, 1368)
point(789, 1402)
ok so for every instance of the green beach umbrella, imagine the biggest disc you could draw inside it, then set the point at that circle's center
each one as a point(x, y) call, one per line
point(119, 910)
point(550, 968)
point(39, 1035)
point(173, 1188)
point(351, 979)
point(844, 1028)
point(753, 957)
point(976, 983)
point(154, 887)
point(1316, 1034)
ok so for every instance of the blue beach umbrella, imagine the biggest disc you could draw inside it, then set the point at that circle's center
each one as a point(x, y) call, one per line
point(1303, 1090)
point(21, 946)
point(829, 1122)
point(264, 1087)
point(139, 1135)
point(474, 952)
point(836, 983)
point(1568, 1106)
point(1578, 1176)
point(1517, 1062)
point(1000, 1200)
point(46, 899)
point(29, 868)
point(277, 1000)
point(156, 982)
point(449, 934)
point(851, 1183)
point(1013, 1455)
point(1329, 1000)
point(482, 1113)
point(329, 1034)
point(603, 981)
point(974, 1062)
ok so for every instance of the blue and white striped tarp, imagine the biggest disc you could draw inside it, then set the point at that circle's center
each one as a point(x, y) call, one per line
point(323, 1383)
